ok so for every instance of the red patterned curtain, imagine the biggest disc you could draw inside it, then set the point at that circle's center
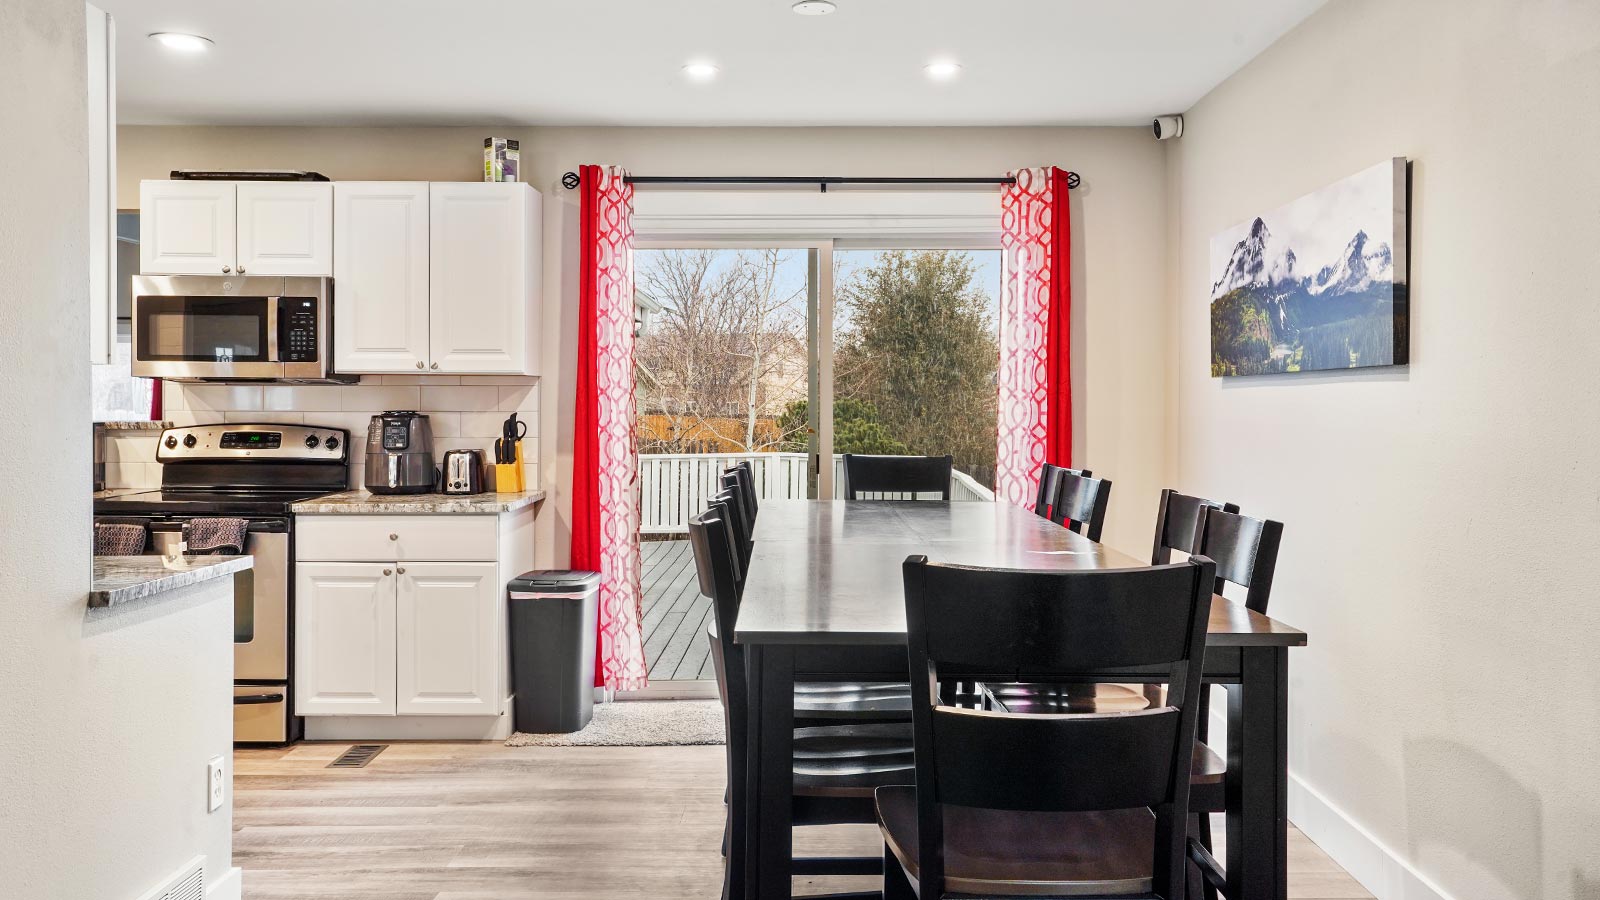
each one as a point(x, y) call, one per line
point(1035, 332)
point(605, 485)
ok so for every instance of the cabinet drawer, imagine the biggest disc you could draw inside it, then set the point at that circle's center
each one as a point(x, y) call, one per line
point(398, 538)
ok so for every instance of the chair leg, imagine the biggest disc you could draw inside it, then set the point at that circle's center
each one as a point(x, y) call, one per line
point(896, 886)
point(1203, 832)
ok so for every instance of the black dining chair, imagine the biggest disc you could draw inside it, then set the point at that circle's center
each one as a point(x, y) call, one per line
point(1080, 503)
point(818, 702)
point(746, 473)
point(897, 475)
point(737, 478)
point(836, 767)
point(1048, 477)
point(1245, 551)
point(1008, 804)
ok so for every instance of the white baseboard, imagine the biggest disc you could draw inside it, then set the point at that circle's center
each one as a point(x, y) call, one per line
point(229, 887)
point(1367, 859)
point(1347, 842)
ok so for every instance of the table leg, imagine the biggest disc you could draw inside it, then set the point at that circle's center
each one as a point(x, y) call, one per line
point(771, 773)
point(1258, 777)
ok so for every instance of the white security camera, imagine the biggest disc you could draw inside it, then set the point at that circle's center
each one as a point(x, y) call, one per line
point(1167, 127)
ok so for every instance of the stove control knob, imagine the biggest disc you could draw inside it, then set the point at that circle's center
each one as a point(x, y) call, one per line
point(171, 442)
point(189, 440)
point(312, 442)
point(332, 443)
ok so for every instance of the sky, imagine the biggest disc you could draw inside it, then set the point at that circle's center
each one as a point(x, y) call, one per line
point(1320, 225)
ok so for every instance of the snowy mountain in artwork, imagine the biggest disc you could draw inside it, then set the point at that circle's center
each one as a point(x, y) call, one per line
point(1315, 284)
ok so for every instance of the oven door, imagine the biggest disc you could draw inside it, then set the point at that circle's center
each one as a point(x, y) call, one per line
point(197, 335)
point(260, 598)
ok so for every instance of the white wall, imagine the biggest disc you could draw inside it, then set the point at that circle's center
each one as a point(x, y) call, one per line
point(1119, 245)
point(106, 718)
point(1440, 519)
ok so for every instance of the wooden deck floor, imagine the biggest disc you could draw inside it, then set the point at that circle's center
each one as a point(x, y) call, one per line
point(675, 614)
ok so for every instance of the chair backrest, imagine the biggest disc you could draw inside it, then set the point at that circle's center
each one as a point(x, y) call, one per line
point(1178, 523)
point(1245, 551)
point(1048, 477)
point(727, 507)
point(1036, 626)
point(747, 479)
point(730, 481)
point(1080, 503)
point(719, 572)
point(897, 475)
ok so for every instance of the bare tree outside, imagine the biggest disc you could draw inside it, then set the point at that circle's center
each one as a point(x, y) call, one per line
point(722, 350)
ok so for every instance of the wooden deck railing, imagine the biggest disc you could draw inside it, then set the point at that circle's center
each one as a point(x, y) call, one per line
point(674, 486)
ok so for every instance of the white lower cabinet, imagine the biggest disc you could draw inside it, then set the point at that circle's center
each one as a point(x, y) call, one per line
point(401, 624)
point(345, 639)
point(446, 624)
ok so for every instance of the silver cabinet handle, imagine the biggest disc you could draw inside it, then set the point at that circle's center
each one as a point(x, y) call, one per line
point(241, 270)
point(434, 366)
point(394, 537)
point(387, 572)
point(227, 269)
point(402, 571)
point(421, 364)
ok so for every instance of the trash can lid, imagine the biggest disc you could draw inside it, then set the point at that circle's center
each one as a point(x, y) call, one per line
point(554, 581)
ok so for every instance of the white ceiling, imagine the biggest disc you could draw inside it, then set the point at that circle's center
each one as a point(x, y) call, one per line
point(618, 62)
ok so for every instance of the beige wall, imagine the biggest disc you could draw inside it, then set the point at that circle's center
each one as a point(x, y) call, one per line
point(1119, 244)
point(107, 717)
point(1441, 518)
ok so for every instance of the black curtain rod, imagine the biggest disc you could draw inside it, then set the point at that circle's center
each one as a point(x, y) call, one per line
point(570, 180)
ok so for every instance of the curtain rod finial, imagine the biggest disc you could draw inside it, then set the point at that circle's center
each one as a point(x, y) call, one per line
point(570, 180)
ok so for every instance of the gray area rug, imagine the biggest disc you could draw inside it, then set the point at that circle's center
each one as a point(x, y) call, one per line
point(639, 723)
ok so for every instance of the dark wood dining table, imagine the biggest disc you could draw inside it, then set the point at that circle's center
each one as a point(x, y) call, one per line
point(823, 599)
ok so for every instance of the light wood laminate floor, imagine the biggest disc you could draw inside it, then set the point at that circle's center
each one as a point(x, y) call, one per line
point(477, 821)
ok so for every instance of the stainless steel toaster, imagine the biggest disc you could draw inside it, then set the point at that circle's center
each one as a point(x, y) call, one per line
point(463, 472)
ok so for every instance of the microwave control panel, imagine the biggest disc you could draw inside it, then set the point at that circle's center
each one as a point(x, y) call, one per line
point(297, 329)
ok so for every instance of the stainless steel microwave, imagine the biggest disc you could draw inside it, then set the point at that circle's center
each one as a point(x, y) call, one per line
point(221, 328)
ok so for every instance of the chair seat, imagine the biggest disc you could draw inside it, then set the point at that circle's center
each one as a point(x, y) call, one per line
point(1028, 697)
point(851, 760)
point(1037, 854)
point(852, 700)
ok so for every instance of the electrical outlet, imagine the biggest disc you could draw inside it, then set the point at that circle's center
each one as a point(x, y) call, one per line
point(216, 785)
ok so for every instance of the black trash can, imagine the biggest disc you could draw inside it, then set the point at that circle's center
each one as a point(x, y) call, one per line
point(554, 615)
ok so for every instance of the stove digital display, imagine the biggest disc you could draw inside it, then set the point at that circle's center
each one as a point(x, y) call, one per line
point(251, 440)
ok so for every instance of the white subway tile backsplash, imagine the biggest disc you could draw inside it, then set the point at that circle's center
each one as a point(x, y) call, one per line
point(221, 397)
point(485, 424)
point(459, 397)
point(271, 418)
point(133, 448)
point(522, 398)
point(183, 418)
point(353, 422)
point(171, 397)
point(303, 398)
point(445, 424)
point(385, 397)
point(499, 379)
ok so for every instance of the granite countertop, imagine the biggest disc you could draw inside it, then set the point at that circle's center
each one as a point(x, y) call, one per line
point(133, 426)
point(118, 579)
point(360, 502)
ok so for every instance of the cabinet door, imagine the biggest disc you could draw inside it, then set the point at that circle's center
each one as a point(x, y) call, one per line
point(186, 227)
point(286, 228)
point(448, 639)
point(380, 268)
point(344, 639)
point(483, 261)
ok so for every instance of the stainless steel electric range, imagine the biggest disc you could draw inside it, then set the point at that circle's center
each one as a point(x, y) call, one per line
point(254, 472)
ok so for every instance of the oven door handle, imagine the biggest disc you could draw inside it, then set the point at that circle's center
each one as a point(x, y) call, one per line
point(253, 699)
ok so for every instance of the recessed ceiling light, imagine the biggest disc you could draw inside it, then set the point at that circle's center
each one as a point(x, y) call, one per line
point(942, 70)
point(814, 7)
point(700, 71)
point(183, 43)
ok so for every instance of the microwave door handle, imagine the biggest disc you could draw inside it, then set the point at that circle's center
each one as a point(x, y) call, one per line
point(272, 328)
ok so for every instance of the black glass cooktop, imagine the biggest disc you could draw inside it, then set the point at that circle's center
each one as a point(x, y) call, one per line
point(202, 503)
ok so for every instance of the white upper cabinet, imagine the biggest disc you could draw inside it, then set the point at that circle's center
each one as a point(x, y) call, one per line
point(380, 272)
point(485, 254)
point(186, 227)
point(285, 228)
point(225, 228)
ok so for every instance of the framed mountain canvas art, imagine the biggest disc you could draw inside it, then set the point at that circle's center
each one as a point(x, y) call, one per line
point(1316, 284)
